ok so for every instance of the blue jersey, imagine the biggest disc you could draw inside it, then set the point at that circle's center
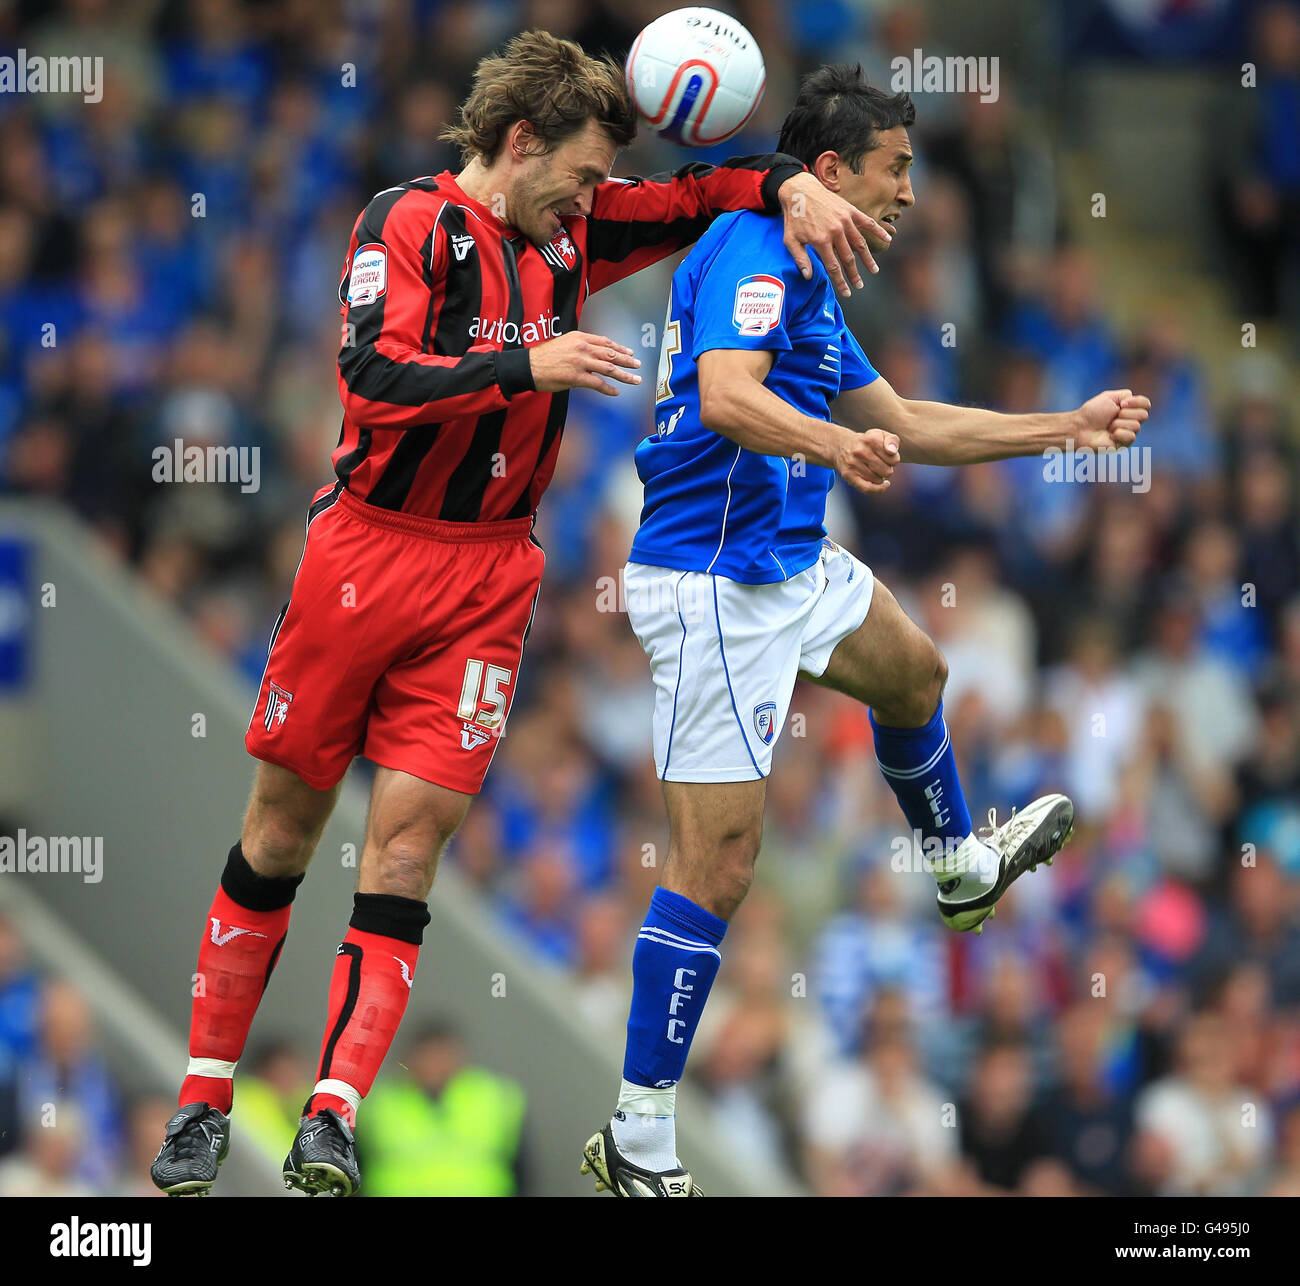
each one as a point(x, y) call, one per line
point(710, 505)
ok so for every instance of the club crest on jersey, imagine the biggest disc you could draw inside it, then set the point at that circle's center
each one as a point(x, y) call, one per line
point(368, 279)
point(758, 304)
point(277, 707)
point(563, 246)
point(765, 721)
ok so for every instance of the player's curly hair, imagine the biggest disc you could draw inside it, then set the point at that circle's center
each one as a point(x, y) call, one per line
point(838, 111)
point(552, 84)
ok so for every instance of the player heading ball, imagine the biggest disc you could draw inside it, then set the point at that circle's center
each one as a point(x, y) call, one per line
point(760, 372)
point(405, 628)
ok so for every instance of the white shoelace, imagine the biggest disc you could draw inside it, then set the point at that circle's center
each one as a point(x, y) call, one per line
point(993, 821)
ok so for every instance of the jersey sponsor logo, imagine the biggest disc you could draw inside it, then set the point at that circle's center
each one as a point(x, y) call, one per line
point(461, 244)
point(758, 304)
point(368, 280)
point(765, 721)
point(490, 330)
point(220, 939)
point(277, 706)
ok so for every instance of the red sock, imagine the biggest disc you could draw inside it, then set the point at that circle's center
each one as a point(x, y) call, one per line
point(241, 942)
point(373, 972)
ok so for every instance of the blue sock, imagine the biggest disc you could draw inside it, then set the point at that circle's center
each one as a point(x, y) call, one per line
point(673, 967)
point(919, 766)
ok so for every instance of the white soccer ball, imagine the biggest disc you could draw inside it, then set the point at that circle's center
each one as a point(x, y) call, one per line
point(696, 76)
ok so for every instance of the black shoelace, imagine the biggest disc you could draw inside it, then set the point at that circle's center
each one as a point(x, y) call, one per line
point(195, 1140)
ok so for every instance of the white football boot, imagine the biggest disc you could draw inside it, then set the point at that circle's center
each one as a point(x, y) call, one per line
point(1033, 835)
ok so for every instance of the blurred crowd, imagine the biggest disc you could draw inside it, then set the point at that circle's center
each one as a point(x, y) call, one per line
point(1131, 1021)
point(66, 1128)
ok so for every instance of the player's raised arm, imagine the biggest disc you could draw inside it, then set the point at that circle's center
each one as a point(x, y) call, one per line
point(636, 222)
point(735, 403)
point(937, 433)
point(393, 292)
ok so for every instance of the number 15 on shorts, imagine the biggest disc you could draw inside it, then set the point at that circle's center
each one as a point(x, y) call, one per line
point(482, 687)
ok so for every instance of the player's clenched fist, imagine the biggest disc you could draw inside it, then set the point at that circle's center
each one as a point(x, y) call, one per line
point(867, 460)
point(579, 360)
point(1111, 420)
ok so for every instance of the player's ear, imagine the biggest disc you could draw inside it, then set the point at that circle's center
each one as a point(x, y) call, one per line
point(827, 169)
point(523, 140)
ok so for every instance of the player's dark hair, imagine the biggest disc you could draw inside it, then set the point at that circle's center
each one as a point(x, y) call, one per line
point(838, 111)
point(552, 84)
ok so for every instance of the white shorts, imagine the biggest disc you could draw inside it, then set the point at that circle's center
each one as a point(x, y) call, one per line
point(724, 657)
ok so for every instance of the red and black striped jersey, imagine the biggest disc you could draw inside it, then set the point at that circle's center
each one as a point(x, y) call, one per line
point(441, 300)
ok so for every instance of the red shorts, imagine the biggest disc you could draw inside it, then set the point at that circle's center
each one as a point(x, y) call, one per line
point(401, 641)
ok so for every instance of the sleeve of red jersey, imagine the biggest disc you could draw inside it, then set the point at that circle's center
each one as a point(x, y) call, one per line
point(636, 222)
point(394, 288)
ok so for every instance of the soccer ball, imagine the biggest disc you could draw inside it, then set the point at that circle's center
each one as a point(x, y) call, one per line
point(696, 76)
